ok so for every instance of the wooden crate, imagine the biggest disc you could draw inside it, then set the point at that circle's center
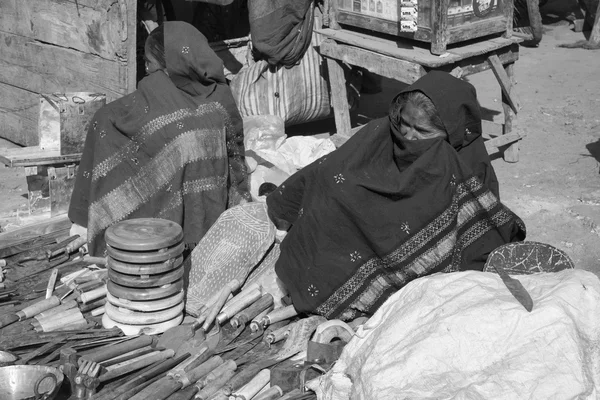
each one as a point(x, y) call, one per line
point(50, 46)
point(439, 22)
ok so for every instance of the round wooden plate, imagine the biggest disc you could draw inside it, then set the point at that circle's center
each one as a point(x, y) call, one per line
point(146, 306)
point(132, 330)
point(137, 281)
point(146, 257)
point(143, 234)
point(129, 317)
point(144, 294)
point(145, 269)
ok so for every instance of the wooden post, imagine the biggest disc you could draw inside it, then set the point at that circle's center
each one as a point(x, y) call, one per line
point(594, 40)
point(511, 154)
point(339, 97)
point(509, 9)
point(439, 27)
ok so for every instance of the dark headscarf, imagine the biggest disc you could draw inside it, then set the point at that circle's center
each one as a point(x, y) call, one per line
point(382, 210)
point(456, 103)
point(171, 149)
point(281, 30)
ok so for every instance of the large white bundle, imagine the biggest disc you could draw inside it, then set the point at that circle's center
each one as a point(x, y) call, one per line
point(463, 336)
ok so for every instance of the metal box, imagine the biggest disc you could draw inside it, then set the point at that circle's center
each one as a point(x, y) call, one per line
point(439, 22)
point(49, 189)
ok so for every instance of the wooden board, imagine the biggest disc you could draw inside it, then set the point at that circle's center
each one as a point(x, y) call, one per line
point(94, 27)
point(33, 155)
point(383, 65)
point(57, 69)
point(406, 50)
point(62, 45)
point(18, 115)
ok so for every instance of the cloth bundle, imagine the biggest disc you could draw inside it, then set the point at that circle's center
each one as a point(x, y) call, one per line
point(463, 336)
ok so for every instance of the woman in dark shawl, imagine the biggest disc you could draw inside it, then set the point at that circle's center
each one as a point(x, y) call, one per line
point(403, 198)
point(172, 149)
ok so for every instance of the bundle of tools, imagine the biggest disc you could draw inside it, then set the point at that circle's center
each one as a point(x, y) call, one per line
point(119, 332)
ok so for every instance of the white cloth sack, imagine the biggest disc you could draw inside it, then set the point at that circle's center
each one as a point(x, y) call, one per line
point(464, 336)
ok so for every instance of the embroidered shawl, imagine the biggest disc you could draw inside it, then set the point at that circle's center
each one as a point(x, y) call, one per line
point(172, 149)
point(381, 211)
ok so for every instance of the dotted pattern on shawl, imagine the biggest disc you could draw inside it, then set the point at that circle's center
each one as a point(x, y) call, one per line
point(233, 245)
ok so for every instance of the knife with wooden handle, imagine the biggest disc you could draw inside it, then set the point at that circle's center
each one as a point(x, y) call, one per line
point(516, 288)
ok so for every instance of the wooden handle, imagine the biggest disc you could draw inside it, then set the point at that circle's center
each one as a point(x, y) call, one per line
point(279, 314)
point(245, 292)
point(58, 317)
point(38, 307)
point(76, 244)
point(95, 260)
point(256, 324)
point(143, 377)
point(278, 334)
point(255, 385)
point(204, 353)
point(228, 365)
point(188, 378)
point(112, 350)
point(51, 282)
point(211, 388)
point(245, 316)
point(135, 364)
point(216, 307)
point(93, 294)
point(65, 305)
point(245, 300)
point(70, 317)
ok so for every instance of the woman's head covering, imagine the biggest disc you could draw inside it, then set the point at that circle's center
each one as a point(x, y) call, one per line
point(456, 103)
point(190, 62)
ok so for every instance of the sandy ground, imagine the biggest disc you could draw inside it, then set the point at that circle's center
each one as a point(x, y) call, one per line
point(555, 187)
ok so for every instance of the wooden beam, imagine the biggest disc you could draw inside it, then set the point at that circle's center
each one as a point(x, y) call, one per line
point(339, 97)
point(95, 30)
point(403, 71)
point(511, 154)
point(31, 156)
point(505, 82)
point(42, 68)
point(19, 111)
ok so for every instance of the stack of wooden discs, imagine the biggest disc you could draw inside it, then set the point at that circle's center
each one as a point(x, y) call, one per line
point(145, 271)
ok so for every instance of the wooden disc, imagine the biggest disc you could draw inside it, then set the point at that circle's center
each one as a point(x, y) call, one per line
point(143, 234)
point(144, 294)
point(129, 317)
point(133, 330)
point(145, 269)
point(146, 257)
point(146, 306)
point(137, 281)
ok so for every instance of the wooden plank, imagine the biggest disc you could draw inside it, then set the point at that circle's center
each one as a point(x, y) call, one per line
point(504, 81)
point(491, 129)
point(503, 140)
point(408, 51)
point(478, 29)
point(511, 154)
point(403, 71)
point(339, 97)
point(129, 14)
point(33, 155)
point(439, 27)
point(509, 9)
point(96, 30)
point(479, 63)
point(43, 68)
point(18, 115)
point(47, 226)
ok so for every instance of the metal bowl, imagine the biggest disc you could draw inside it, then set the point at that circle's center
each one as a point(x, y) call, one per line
point(35, 382)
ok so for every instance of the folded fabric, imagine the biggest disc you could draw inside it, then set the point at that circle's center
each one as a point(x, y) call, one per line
point(230, 250)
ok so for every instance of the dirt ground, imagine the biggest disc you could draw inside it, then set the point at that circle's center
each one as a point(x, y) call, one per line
point(555, 187)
